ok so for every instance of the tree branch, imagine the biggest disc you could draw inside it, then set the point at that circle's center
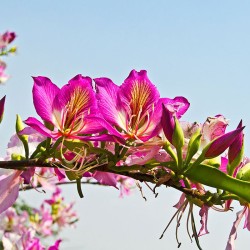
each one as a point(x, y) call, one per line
point(24, 164)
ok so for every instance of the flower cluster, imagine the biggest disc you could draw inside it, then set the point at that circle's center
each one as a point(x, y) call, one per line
point(119, 135)
point(23, 227)
point(5, 39)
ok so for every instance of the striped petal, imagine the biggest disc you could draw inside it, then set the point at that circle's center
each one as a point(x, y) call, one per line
point(39, 127)
point(179, 105)
point(138, 94)
point(44, 93)
point(75, 100)
point(9, 189)
point(107, 99)
point(77, 95)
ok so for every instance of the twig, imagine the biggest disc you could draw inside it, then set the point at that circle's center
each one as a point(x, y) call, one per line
point(61, 183)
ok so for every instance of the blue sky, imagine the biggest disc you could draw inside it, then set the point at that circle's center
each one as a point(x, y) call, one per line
point(198, 49)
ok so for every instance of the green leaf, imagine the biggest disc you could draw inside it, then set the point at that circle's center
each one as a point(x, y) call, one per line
point(213, 177)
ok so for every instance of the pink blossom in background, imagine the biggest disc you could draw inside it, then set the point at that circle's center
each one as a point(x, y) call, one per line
point(6, 38)
point(3, 76)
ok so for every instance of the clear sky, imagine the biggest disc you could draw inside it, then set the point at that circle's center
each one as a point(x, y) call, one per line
point(198, 49)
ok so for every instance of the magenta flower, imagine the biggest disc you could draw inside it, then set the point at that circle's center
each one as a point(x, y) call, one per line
point(71, 110)
point(2, 102)
point(133, 109)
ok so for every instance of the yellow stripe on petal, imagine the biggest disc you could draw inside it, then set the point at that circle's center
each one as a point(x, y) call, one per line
point(140, 94)
point(79, 100)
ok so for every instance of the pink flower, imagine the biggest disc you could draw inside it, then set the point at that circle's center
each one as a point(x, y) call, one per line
point(62, 213)
point(71, 110)
point(126, 185)
point(3, 76)
point(133, 109)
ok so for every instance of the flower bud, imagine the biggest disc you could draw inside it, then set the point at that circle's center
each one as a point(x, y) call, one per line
point(8, 37)
point(244, 173)
point(13, 50)
point(172, 128)
point(220, 144)
point(193, 145)
point(167, 123)
point(178, 135)
point(2, 102)
point(23, 138)
point(236, 151)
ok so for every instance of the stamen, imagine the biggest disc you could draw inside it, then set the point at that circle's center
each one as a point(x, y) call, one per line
point(187, 224)
point(175, 214)
point(140, 188)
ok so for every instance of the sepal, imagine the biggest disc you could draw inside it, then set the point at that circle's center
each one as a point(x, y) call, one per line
point(244, 173)
point(193, 146)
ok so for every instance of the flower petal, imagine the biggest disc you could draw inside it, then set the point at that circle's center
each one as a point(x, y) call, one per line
point(56, 245)
point(38, 126)
point(77, 95)
point(179, 105)
point(105, 178)
point(106, 95)
point(27, 174)
point(233, 232)
point(59, 174)
point(138, 94)
point(44, 93)
point(247, 218)
point(142, 155)
point(204, 215)
point(213, 128)
point(9, 188)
